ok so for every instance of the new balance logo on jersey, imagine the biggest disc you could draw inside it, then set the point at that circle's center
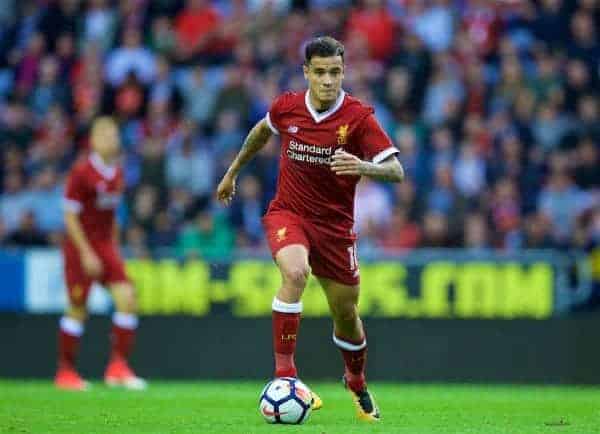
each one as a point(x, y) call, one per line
point(292, 129)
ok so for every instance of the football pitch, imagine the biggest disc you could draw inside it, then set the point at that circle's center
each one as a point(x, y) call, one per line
point(231, 407)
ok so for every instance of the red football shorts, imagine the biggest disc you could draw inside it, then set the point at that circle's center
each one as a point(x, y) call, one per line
point(78, 281)
point(331, 251)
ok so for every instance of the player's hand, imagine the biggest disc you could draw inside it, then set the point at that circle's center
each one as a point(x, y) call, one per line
point(226, 189)
point(344, 163)
point(91, 263)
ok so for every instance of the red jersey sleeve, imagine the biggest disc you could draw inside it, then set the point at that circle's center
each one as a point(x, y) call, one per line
point(75, 191)
point(374, 143)
point(280, 105)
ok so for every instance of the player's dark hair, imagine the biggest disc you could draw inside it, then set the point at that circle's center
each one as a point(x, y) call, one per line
point(323, 46)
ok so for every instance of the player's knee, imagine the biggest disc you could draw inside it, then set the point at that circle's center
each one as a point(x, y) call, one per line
point(296, 276)
point(125, 299)
point(131, 300)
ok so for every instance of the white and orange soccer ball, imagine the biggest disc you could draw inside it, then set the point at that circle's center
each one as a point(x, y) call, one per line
point(285, 400)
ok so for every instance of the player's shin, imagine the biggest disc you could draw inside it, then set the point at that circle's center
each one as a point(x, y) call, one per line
point(69, 336)
point(123, 335)
point(286, 321)
point(354, 353)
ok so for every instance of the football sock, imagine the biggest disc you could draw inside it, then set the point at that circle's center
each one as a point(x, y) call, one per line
point(286, 321)
point(123, 334)
point(69, 336)
point(355, 358)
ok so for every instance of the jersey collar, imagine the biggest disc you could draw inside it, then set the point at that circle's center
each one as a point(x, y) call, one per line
point(106, 170)
point(319, 117)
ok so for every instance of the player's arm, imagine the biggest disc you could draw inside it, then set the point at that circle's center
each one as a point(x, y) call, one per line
point(389, 169)
point(73, 203)
point(75, 231)
point(91, 262)
point(257, 138)
point(255, 141)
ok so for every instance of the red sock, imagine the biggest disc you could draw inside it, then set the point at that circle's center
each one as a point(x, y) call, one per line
point(355, 359)
point(286, 321)
point(123, 335)
point(69, 336)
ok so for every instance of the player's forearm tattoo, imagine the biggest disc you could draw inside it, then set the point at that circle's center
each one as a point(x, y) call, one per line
point(256, 139)
point(389, 170)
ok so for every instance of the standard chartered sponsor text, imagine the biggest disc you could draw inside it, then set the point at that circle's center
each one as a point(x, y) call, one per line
point(302, 152)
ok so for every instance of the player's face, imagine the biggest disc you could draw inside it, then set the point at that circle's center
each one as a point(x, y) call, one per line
point(325, 75)
point(106, 141)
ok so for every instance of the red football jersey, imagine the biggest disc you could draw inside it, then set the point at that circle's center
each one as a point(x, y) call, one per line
point(306, 185)
point(94, 191)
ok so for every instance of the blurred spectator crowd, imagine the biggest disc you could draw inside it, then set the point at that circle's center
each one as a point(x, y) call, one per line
point(493, 104)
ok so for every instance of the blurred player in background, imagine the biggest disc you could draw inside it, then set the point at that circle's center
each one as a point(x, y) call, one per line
point(91, 254)
point(329, 140)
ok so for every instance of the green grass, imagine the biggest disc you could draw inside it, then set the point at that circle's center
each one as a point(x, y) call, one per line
point(219, 407)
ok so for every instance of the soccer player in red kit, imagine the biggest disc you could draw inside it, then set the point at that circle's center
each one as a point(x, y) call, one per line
point(91, 253)
point(328, 141)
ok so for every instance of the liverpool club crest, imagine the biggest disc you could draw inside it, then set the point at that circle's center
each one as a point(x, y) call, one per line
point(342, 134)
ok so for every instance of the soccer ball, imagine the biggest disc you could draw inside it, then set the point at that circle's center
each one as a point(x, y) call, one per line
point(285, 400)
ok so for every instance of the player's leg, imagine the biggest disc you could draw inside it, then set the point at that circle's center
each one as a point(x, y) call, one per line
point(71, 329)
point(348, 332)
point(293, 265)
point(349, 337)
point(292, 261)
point(123, 331)
point(124, 322)
point(289, 247)
point(72, 323)
point(334, 262)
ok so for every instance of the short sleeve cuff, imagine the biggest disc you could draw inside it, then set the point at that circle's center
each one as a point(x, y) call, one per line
point(72, 205)
point(270, 124)
point(384, 154)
